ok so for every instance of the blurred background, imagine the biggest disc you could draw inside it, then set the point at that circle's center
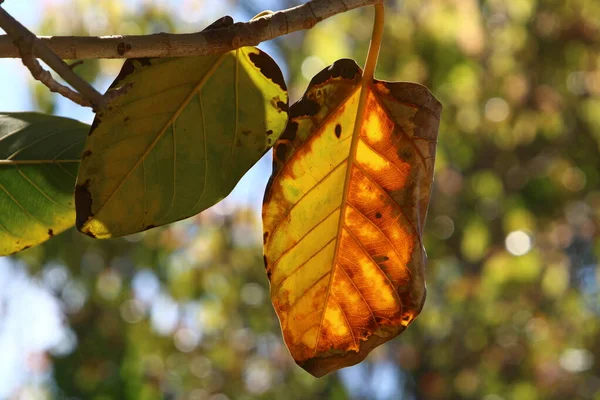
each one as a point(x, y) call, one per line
point(183, 312)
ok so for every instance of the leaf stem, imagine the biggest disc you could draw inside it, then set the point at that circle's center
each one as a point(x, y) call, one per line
point(375, 45)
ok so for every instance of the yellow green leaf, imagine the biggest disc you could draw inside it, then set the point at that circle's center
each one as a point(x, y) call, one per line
point(39, 157)
point(343, 217)
point(179, 140)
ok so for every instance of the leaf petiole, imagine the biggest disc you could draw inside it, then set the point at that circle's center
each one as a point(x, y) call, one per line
point(375, 45)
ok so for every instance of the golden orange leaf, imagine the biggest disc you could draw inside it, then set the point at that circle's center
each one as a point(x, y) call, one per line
point(343, 223)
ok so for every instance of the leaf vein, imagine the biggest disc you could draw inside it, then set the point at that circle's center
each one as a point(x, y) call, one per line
point(205, 154)
point(289, 210)
point(306, 331)
point(5, 229)
point(306, 291)
point(382, 234)
point(332, 297)
point(67, 171)
point(360, 293)
point(403, 173)
point(21, 206)
point(40, 190)
point(396, 297)
point(34, 143)
point(237, 111)
point(160, 134)
point(410, 140)
point(398, 207)
point(303, 236)
point(275, 290)
point(63, 151)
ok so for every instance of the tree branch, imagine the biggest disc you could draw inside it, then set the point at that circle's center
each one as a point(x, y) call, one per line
point(29, 47)
point(215, 41)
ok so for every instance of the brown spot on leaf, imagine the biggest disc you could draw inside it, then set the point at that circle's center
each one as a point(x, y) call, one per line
point(281, 151)
point(304, 106)
point(50, 232)
point(269, 132)
point(126, 120)
point(265, 260)
point(378, 215)
point(338, 131)
point(290, 131)
point(344, 68)
point(268, 68)
point(86, 154)
point(246, 132)
point(83, 204)
point(265, 236)
point(126, 70)
point(380, 259)
point(406, 154)
point(282, 106)
point(413, 94)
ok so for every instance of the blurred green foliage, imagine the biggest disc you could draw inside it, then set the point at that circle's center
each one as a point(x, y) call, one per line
point(512, 234)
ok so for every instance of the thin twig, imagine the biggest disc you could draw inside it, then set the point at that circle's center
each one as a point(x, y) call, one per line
point(29, 45)
point(215, 41)
point(40, 74)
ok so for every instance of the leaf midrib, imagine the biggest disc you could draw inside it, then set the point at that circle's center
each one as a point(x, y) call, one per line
point(325, 120)
point(161, 133)
point(35, 142)
point(18, 204)
point(358, 122)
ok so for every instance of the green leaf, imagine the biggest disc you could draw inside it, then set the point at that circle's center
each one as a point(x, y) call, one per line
point(39, 157)
point(179, 140)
